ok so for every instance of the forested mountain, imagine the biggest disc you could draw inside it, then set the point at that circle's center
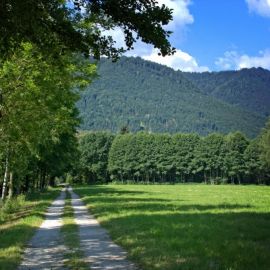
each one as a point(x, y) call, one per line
point(247, 88)
point(148, 96)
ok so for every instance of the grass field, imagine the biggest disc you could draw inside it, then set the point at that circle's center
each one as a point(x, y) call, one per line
point(173, 227)
point(18, 226)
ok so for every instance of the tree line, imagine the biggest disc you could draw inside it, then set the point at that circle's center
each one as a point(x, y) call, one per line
point(145, 157)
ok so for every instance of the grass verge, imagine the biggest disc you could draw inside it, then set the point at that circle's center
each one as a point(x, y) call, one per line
point(70, 233)
point(19, 219)
point(172, 227)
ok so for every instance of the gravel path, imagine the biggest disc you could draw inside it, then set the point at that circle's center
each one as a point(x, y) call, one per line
point(101, 253)
point(45, 251)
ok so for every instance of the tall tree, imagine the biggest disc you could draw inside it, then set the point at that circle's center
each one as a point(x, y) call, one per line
point(209, 157)
point(94, 150)
point(254, 165)
point(38, 104)
point(185, 146)
point(265, 145)
point(236, 144)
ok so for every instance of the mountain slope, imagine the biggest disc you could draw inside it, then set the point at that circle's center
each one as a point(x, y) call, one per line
point(149, 96)
point(247, 88)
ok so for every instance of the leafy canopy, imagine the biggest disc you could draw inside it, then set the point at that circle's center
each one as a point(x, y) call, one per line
point(38, 113)
point(78, 24)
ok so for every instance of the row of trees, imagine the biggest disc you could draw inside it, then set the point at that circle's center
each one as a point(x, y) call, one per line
point(38, 116)
point(146, 157)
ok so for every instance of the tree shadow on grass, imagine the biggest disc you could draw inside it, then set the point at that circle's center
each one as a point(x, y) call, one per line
point(152, 206)
point(195, 240)
point(13, 238)
point(165, 235)
point(118, 204)
point(109, 191)
point(120, 200)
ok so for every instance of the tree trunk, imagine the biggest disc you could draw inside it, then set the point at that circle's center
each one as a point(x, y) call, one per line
point(43, 180)
point(40, 180)
point(239, 179)
point(27, 184)
point(11, 186)
point(5, 178)
point(52, 181)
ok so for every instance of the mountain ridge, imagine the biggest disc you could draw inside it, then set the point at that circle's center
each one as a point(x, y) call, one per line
point(232, 87)
point(148, 96)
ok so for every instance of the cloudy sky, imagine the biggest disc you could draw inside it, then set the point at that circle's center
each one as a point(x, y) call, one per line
point(215, 35)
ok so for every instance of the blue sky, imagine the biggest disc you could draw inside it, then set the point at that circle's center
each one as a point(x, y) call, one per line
point(224, 26)
point(215, 35)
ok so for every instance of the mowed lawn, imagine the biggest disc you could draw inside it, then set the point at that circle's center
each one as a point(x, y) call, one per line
point(186, 226)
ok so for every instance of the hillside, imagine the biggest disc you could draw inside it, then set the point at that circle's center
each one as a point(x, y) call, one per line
point(149, 96)
point(247, 88)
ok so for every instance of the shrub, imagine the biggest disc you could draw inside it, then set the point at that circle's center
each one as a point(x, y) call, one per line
point(11, 206)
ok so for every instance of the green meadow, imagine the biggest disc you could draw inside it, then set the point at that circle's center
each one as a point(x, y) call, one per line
point(192, 226)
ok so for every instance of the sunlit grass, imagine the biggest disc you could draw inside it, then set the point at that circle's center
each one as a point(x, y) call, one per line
point(19, 225)
point(70, 232)
point(173, 227)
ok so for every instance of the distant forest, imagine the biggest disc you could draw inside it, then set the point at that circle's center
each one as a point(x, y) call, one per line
point(146, 96)
point(159, 158)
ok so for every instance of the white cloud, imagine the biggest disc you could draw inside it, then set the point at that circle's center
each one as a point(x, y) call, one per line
point(118, 36)
point(179, 61)
point(261, 7)
point(181, 18)
point(181, 14)
point(233, 60)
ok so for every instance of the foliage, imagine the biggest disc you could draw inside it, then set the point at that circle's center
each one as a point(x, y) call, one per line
point(38, 114)
point(11, 206)
point(265, 145)
point(234, 159)
point(254, 165)
point(178, 158)
point(94, 149)
point(42, 44)
point(210, 155)
point(148, 157)
point(146, 96)
point(78, 25)
point(172, 227)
